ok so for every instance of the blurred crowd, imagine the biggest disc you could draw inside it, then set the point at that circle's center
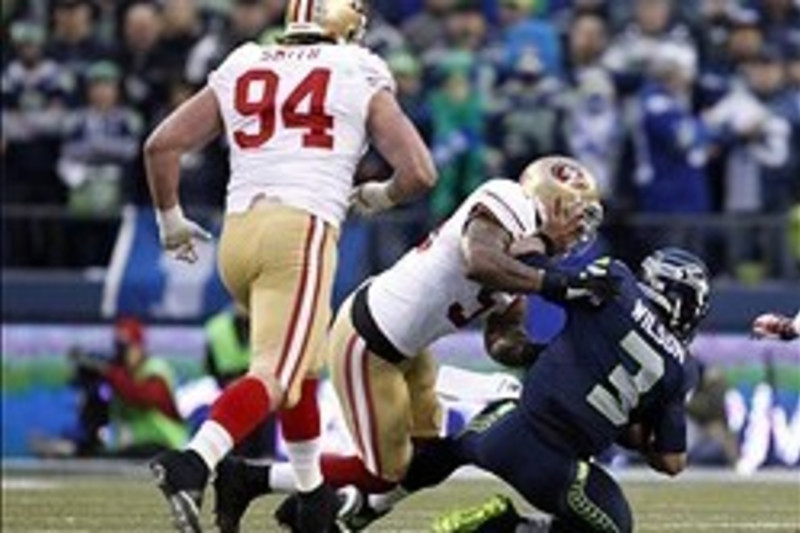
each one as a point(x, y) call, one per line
point(677, 107)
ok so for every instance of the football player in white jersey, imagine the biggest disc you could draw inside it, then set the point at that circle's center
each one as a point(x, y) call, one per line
point(380, 365)
point(297, 117)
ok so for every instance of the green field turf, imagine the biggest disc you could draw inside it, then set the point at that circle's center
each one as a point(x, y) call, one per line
point(129, 503)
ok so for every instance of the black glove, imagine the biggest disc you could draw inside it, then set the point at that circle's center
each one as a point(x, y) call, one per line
point(595, 285)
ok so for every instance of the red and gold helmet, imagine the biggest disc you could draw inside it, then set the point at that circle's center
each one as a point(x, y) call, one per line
point(342, 21)
point(563, 178)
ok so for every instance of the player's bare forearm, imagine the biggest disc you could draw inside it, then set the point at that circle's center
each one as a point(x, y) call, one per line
point(399, 142)
point(488, 261)
point(190, 127)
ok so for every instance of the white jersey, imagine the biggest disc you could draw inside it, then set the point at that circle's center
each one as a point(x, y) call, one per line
point(427, 295)
point(295, 119)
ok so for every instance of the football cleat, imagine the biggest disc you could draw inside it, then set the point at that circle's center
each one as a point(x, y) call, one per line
point(182, 478)
point(495, 515)
point(342, 21)
point(236, 484)
point(314, 511)
point(356, 513)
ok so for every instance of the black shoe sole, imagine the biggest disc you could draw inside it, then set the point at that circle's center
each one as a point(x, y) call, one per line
point(185, 513)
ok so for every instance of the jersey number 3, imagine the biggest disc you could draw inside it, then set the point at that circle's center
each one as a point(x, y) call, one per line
point(617, 406)
point(257, 94)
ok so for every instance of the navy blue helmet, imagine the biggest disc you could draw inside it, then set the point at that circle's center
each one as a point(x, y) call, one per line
point(676, 281)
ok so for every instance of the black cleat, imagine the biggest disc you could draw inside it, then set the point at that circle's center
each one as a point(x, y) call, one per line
point(310, 512)
point(356, 513)
point(182, 477)
point(237, 483)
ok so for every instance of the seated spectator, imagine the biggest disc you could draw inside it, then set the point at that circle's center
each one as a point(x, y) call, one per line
point(100, 141)
point(35, 90)
point(73, 44)
point(672, 142)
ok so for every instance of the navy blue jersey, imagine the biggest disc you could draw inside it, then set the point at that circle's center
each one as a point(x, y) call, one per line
point(607, 368)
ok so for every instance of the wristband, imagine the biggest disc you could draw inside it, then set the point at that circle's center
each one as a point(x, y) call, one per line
point(554, 285)
point(169, 218)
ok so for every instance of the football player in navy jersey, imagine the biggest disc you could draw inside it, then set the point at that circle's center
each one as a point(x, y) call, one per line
point(618, 372)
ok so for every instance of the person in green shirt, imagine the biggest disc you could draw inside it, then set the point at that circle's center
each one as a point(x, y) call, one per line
point(143, 413)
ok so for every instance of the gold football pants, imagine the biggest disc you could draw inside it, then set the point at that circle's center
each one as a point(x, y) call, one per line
point(278, 262)
point(385, 405)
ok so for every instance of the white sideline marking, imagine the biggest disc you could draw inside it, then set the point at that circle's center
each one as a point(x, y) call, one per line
point(23, 483)
point(718, 526)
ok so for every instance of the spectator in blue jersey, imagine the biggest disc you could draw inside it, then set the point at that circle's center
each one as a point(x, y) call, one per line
point(101, 140)
point(672, 143)
point(756, 134)
point(35, 90)
point(530, 106)
point(780, 21)
point(519, 31)
point(654, 24)
point(592, 126)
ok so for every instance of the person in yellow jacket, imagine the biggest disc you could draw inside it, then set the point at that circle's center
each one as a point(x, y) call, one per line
point(227, 345)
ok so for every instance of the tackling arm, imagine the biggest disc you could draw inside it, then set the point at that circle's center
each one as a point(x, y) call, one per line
point(485, 247)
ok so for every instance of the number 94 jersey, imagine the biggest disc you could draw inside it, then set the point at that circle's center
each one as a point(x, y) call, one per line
point(427, 294)
point(296, 121)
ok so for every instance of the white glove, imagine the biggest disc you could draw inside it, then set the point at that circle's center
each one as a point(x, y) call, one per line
point(178, 234)
point(371, 198)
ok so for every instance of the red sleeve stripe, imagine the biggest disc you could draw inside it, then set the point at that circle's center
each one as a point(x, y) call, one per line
point(507, 207)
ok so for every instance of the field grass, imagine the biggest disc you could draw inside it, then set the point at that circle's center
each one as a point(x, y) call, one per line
point(128, 503)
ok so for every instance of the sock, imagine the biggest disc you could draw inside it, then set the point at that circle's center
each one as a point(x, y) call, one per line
point(211, 443)
point(281, 478)
point(301, 431)
point(384, 502)
point(342, 470)
point(237, 412)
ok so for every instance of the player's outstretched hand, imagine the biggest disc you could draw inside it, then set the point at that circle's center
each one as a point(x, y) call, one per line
point(774, 325)
point(595, 285)
point(178, 234)
point(371, 198)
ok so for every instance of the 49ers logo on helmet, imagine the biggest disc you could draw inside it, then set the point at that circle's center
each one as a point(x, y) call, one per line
point(565, 172)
